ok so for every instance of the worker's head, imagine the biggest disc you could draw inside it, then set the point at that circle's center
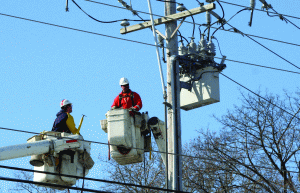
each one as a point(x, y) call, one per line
point(66, 105)
point(124, 83)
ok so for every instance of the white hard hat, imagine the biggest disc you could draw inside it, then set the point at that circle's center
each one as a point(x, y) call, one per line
point(64, 102)
point(124, 81)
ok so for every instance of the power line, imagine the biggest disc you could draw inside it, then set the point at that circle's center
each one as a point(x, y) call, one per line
point(101, 143)
point(47, 184)
point(264, 47)
point(258, 9)
point(294, 116)
point(86, 178)
point(261, 66)
point(75, 29)
point(198, 24)
point(99, 20)
point(94, 33)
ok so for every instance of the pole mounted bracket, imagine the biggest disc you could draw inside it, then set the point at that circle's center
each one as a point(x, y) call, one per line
point(168, 18)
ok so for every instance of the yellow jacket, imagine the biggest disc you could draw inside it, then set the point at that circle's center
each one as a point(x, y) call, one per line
point(71, 124)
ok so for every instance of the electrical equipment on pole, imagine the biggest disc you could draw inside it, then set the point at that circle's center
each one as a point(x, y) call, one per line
point(199, 76)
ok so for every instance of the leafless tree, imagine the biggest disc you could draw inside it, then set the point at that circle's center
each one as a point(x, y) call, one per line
point(149, 173)
point(257, 150)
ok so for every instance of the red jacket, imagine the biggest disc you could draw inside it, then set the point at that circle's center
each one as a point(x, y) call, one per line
point(126, 100)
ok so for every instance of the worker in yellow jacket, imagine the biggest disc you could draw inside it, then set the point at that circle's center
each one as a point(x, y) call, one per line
point(64, 121)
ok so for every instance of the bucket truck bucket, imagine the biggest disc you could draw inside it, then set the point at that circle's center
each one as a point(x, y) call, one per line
point(125, 135)
point(68, 155)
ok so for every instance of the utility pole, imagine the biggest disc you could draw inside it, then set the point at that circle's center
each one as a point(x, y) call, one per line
point(174, 161)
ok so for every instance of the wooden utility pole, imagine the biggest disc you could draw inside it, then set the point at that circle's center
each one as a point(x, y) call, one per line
point(174, 163)
point(174, 175)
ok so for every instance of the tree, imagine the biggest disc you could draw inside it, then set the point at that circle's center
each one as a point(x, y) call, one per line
point(257, 150)
point(150, 173)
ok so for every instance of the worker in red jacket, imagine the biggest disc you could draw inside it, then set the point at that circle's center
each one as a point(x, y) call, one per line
point(127, 99)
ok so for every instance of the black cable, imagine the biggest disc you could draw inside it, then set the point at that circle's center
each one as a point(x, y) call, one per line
point(194, 25)
point(228, 20)
point(220, 47)
point(99, 20)
point(267, 48)
point(283, 18)
point(257, 9)
point(47, 184)
point(133, 40)
point(91, 179)
point(259, 96)
point(166, 1)
point(261, 66)
point(198, 23)
point(188, 156)
point(222, 9)
point(183, 37)
point(75, 29)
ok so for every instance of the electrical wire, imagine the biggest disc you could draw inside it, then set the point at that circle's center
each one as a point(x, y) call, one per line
point(261, 66)
point(220, 47)
point(260, 96)
point(200, 24)
point(266, 47)
point(47, 184)
point(101, 143)
point(256, 9)
point(94, 33)
point(222, 10)
point(99, 20)
point(75, 29)
point(86, 178)
point(285, 19)
point(228, 20)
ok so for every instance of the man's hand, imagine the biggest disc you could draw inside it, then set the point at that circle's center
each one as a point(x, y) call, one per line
point(114, 107)
point(132, 109)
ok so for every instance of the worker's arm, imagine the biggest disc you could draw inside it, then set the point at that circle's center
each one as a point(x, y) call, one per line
point(116, 102)
point(138, 101)
point(71, 124)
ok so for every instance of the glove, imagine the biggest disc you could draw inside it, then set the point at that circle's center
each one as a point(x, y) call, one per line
point(131, 113)
point(132, 109)
point(114, 107)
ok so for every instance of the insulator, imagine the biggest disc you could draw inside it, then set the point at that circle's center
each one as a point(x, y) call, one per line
point(252, 4)
point(182, 50)
point(192, 46)
point(209, 1)
point(161, 40)
point(212, 48)
point(202, 47)
point(125, 23)
point(208, 18)
point(223, 60)
point(180, 7)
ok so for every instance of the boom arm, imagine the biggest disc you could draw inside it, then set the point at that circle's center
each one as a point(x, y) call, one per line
point(36, 148)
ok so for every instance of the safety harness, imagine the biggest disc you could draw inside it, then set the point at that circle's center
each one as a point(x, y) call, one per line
point(121, 97)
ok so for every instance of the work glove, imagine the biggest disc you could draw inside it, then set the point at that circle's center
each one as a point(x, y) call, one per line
point(132, 109)
point(114, 107)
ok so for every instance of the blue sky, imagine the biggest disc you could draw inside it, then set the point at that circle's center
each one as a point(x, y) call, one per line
point(42, 64)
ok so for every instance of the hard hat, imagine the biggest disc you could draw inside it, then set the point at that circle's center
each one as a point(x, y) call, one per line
point(64, 102)
point(124, 81)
